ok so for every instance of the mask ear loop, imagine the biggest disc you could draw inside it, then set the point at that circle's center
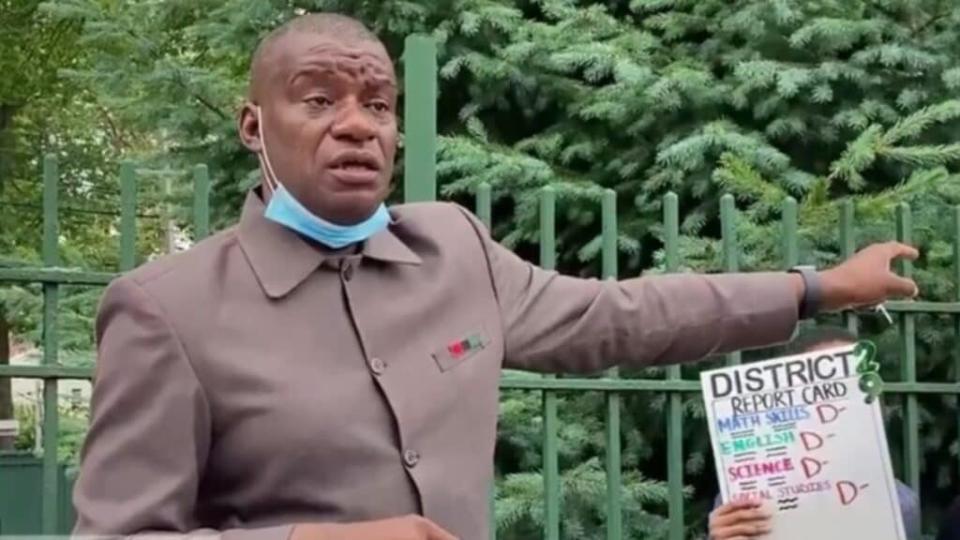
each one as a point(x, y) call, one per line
point(272, 183)
point(883, 310)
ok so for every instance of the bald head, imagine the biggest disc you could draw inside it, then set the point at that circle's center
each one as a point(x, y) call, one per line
point(344, 29)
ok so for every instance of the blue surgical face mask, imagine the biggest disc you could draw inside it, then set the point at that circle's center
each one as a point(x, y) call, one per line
point(286, 210)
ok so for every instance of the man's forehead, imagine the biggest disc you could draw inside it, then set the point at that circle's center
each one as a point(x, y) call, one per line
point(297, 50)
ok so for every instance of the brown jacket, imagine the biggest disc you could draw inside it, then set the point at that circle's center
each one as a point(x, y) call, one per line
point(254, 381)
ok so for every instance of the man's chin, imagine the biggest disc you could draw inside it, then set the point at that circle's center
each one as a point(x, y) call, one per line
point(350, 208)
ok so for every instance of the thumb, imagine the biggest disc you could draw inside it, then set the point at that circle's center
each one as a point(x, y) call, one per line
point(902, 287)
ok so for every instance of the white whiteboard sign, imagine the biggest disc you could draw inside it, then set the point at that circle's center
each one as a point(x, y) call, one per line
point(797, 432)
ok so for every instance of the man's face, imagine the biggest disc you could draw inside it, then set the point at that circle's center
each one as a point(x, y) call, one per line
point(329, 122)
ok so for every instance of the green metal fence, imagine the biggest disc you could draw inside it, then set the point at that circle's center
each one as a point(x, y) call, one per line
point(420, 184)
point(22, 475)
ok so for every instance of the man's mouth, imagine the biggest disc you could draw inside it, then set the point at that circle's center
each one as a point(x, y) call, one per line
point(355, 166)
point(355, 162)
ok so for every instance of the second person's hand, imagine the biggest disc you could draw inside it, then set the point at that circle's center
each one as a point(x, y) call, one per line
point(400, 528)
point(739, 520)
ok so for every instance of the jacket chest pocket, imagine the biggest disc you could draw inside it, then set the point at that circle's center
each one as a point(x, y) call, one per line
point(462, 348)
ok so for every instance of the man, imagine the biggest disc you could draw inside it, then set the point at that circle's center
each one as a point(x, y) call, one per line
point(751, 519)
point(329, 368)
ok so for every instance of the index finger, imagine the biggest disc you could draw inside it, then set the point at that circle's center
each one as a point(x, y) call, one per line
point(743, 516)
point(898, 250)
point(434, 532)
point(733, 506)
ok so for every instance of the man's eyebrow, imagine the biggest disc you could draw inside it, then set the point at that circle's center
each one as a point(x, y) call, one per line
point(376, 78)
point(382, 81)
point(312, 69)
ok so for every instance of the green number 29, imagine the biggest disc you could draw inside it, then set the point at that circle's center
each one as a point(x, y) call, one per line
point(869, 370)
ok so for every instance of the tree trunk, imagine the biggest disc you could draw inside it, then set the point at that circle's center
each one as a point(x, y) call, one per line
point(7, 110)
point(6, 115)
point(6, 387)
point(6, 390)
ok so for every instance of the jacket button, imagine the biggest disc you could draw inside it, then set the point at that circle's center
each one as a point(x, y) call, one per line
point(378, 366)
point(348, 272)
point(411, 458)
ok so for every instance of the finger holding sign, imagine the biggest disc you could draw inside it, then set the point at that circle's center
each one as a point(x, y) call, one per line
point(740, 520)
point(866, 279)
point(411, 527)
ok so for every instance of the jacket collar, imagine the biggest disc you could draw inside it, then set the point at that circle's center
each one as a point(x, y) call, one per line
point(282, 259)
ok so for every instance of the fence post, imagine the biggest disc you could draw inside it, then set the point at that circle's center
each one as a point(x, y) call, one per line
point(671, 240)
point(420, 119)
point(614, 465)
point(484, 205)
point(728, 226)
point(201, 202)
point(51, 298)
point(956, 292)
point(128, 217)
point(848, 248)
point(551, 472)
point(908, 362)
point(483, 210)
point(791, 249)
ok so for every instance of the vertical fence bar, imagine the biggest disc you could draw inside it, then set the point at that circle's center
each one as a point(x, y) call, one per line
point(128, 216)
point(956, 293)
point(483, 209)
point(485, 205)
point(420, 119)
point(51, 299)
point(908, 362)
point(788, 231)
point(791, 248)
point(169, 212)
point(614, 476)
point(671, 233)
point(728, 226)
point(551, 468)
point(201, 202)
point(848, 246)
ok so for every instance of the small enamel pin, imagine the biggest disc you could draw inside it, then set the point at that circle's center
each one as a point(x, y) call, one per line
point(461, 348)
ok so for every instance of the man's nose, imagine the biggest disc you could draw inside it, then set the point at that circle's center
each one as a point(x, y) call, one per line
point(353, 123)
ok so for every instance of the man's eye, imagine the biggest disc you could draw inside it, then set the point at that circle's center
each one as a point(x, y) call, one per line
point(319, 101)
point(379, 106)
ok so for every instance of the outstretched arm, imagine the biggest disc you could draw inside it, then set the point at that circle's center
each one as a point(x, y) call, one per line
point(557, 323)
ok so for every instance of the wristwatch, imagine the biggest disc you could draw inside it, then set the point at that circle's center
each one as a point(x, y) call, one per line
point(812, 294)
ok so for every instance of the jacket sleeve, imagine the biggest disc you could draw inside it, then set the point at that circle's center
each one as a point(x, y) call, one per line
point(556, 323)
point(150, 428)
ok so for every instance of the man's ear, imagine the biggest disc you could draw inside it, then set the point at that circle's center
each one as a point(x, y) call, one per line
point(248, 127)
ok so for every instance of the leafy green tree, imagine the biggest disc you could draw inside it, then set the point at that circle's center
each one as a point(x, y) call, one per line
point(32, 48)
point(41, 113)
